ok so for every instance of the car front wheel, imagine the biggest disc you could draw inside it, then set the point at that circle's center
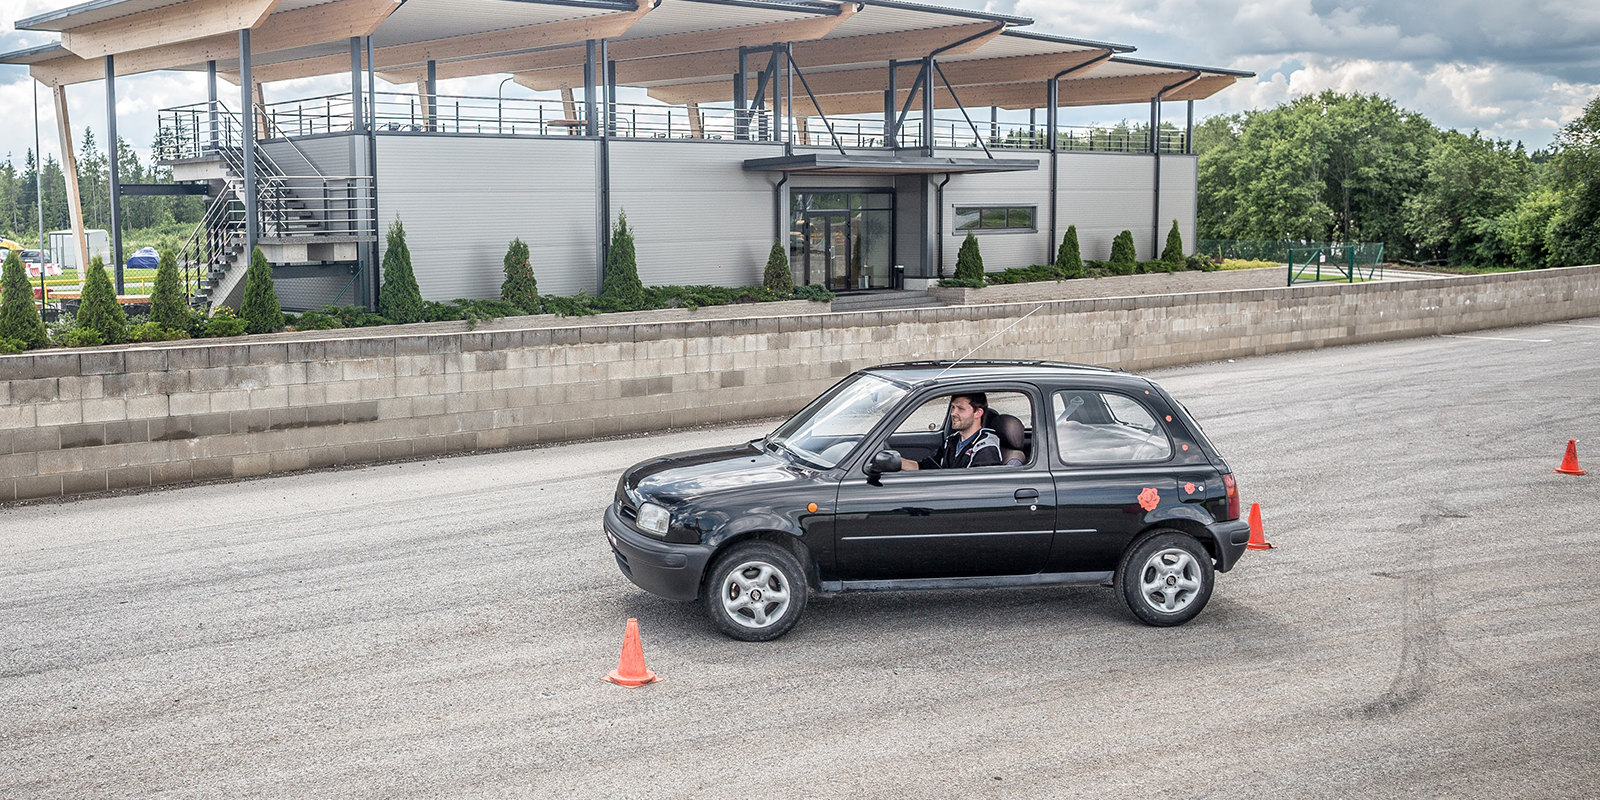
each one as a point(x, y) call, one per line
point(756, 592)
point(1166, 578)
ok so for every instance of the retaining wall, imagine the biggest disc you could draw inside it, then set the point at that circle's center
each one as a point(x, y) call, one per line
point(119, 417)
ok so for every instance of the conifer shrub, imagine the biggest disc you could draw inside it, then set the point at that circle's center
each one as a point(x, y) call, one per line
point(777, 278)
point(224, 322)
point(152, 331)
point(400, 299)
point(260, 309)
point(167, 306)
point(969, 265)
point(622, 289)
point(98, 310)
point(10, 347)
point(81, 337)
point(519, 288)
point(19, 317)
point(1124, 256)
point(1172, 254)
point(1069, 258)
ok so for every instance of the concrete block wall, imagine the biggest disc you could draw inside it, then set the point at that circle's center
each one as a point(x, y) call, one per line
point(111, 418)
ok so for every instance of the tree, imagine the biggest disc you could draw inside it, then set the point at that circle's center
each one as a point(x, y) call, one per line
point(400, 299)
point(1172, 254)
point(167, 307)
point(1124, 256)
point(519, 287)
point(19, 317)
point(777, 278)
point(622, 287)
point(1470, 182)
point(260, 309)
point(1575, 232)
point(99, 310)
point(1069, 258)
point(969, 262)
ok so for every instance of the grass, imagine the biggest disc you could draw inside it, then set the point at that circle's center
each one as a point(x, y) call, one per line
point(1240, 263)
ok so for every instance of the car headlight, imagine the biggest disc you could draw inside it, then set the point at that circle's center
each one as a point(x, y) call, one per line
point(654, 519)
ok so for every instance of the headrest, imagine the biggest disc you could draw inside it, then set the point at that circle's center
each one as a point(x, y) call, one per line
point(1010, 430)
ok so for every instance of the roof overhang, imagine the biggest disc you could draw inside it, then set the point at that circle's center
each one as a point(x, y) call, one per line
point(836, 164)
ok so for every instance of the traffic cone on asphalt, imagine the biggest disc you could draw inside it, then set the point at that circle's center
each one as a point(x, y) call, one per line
point(1569, 465)
point(1258, 537)
point(631, 671)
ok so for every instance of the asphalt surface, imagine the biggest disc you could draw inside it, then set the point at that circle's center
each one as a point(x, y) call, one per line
point(1426, 629)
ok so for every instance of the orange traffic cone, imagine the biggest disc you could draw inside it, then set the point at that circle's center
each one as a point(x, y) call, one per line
point(1569, 465)
point(631, 671)
point(1258, 537)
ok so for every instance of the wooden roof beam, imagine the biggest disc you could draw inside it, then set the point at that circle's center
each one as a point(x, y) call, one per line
point(397, 58)
point(1084, 92)
point(815, 53)
point(289, 29)
point(183, 22)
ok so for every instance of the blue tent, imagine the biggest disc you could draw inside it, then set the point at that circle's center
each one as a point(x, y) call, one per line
point(144, 258)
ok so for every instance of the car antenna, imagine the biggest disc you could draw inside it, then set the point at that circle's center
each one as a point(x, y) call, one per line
point(986, 341)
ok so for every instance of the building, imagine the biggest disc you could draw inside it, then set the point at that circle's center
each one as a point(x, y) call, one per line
point(865, 135)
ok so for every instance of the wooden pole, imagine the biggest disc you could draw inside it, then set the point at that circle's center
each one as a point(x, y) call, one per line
point(69, 165)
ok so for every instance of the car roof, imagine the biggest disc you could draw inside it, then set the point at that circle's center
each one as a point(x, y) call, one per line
point(921, 372)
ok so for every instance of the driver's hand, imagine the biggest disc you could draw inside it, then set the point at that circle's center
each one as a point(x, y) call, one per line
point(908, 464)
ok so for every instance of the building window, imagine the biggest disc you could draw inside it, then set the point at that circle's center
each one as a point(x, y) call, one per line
point(994, 218)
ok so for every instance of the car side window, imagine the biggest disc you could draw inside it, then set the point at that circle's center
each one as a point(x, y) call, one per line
point(1105, 427)
point(1016, 434)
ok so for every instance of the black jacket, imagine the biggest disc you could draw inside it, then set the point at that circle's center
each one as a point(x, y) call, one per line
point(982, 451)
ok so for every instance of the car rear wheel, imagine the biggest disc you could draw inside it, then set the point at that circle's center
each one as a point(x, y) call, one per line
point(756, 592)
point(1166, 578)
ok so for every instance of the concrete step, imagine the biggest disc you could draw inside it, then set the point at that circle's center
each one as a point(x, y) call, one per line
point(884, 300)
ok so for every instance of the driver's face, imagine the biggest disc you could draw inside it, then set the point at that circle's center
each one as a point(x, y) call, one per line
point(962, 414)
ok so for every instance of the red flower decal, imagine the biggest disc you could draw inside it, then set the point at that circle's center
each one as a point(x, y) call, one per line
point(1189, 487)
point(1149, 499)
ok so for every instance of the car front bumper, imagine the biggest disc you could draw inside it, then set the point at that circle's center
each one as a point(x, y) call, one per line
point(665, 569)
point(1231, 538)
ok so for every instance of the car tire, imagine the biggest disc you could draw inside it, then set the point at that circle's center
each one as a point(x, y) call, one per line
point(1166, 578)
point(756, 591)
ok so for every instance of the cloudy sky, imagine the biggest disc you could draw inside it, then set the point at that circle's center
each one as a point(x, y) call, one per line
point(1515, 69)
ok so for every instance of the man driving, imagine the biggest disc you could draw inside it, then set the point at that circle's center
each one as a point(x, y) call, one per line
point(969, 444)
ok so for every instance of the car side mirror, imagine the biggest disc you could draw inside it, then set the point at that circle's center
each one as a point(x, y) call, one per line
point(884, 461)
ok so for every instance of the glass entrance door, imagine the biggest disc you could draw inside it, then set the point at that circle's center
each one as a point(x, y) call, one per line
point(842, 240)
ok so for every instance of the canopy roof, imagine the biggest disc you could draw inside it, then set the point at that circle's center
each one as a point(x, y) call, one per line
point(678, 50)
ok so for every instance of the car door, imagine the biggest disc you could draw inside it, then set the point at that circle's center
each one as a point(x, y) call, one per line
point(953, 523)
point(1113, 468)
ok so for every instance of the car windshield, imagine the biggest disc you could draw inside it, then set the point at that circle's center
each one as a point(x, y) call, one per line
point(828, 429)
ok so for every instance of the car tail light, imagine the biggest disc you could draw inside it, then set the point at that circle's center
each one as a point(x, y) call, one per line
point(1232, 488)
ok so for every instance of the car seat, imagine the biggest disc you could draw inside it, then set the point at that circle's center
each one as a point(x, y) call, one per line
point(1013, 439)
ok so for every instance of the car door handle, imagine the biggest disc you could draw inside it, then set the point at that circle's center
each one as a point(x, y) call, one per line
point(1027, 494)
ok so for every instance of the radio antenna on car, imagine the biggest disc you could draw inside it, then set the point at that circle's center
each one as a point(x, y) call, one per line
point(986, 341)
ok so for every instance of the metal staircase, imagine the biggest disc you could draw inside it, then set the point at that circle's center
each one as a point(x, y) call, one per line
point(306, 223)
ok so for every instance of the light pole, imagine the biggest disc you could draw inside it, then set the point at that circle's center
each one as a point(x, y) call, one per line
point(499, 105)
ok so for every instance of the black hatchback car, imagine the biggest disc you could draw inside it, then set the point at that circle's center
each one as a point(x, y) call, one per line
point(1102, 478)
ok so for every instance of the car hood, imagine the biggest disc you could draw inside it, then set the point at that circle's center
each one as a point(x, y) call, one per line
point(688, 476)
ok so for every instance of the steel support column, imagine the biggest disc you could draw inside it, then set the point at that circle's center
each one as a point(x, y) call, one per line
point(211, 100)
point(247, 119)
point(788, 94)
point(357, 164)
point(1155, 199)
point(432, 96)
point(589, 126)
point(927, 107)
point(374, 283)
point(111, 168)
point(1188, 131)
point(741, 115)
point(890, 102)
point(1052, 115)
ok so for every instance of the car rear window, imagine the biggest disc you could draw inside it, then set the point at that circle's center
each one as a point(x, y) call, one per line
point(1105, 427)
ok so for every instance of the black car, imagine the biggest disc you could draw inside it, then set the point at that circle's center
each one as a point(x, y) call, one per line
point(1118, 486)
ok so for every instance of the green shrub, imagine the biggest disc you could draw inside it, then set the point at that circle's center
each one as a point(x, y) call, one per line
point(400, 299)
point(315, 321)
point(622, 288)
point(1200, 263)
point(816, 293)
point(154, 332)
point(224, 322)
point(167, 305)
point(1124, 256)
point(353, 316)
point(81, 337)
point(99, 310)
point(969, 262)
point(10, 347)
point(1069, 258)
point(260, 309)
point(578, 305)
point(473, 311)
point(519, 287)
point(1172, 254)
point(1029, 274)
point(777, 278)
point(19, 317)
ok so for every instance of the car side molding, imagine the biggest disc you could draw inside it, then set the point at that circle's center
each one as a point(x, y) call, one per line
point(978, 582)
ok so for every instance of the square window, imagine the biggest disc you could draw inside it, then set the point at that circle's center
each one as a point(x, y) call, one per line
point(1021, 217)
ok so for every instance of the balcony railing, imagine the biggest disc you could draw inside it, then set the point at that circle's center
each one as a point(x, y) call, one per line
point(188, 130)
